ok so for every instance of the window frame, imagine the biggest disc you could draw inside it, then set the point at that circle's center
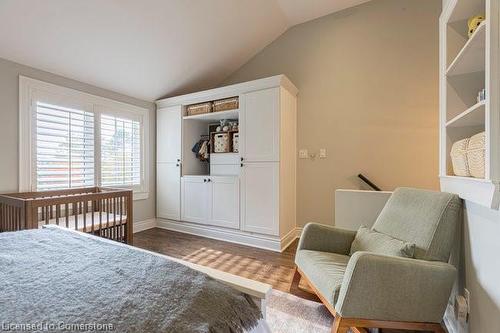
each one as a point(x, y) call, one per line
point(31, 91)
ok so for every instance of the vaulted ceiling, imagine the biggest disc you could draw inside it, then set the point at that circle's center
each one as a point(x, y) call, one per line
point(148, 48)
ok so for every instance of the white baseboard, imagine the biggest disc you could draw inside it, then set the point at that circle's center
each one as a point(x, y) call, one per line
point(266, 242)
point(290, 237)
point(144, 225)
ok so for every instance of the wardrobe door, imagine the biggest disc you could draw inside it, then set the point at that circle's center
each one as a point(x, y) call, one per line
point(259, 126)
point(260, 198)
point(168, 134)
point(168, 190)
point(225, 202)
point(195, 192)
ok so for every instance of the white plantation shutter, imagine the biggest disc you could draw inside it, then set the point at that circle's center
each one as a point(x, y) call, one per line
point(120, 151)
point(64, 145)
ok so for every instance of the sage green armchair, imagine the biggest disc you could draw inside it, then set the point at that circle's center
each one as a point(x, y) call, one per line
point(371, 290)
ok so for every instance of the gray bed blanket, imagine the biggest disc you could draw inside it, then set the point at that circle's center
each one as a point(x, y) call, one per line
point(56, 280)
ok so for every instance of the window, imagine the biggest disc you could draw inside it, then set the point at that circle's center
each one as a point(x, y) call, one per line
point(64, 148)
point(71, 139)
point(120, 151)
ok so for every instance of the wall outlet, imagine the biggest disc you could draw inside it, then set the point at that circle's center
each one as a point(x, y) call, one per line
point(467, 298)
point(461, 309)
point(322, 153)
point(303, 153)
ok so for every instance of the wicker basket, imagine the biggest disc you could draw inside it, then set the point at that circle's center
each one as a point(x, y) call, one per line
point(221, 143)
point(201, 108)
point(476, 155)
point(458, 156)
point(226, 104)
point(236, 142)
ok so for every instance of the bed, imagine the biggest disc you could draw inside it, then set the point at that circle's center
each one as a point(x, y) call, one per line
point(66, 279)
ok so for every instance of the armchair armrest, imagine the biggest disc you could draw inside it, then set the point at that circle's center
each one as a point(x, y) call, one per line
point(320, 237)
point(394, 288)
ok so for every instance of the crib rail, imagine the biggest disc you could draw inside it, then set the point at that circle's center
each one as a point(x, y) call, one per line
point(105, 212)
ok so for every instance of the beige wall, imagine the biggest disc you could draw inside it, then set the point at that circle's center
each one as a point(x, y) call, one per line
point(9, 126)
point(368, 93)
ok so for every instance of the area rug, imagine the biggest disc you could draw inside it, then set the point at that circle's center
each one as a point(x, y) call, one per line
point(287, 313)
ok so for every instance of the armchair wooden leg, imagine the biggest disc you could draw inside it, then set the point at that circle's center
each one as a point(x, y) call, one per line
point(295, 280)
point(338, 326)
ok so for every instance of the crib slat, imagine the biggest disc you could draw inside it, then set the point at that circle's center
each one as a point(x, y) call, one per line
point(120, 209)
point(58, 213)
point(107, 217)
point(115, 230)
point(85, 209)
point(100, 217)
point(75, 213)
point(47, 216)
point(66, 213)
point(92, 203)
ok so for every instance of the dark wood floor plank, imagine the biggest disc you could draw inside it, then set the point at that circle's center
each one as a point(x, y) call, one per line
point(261, 265)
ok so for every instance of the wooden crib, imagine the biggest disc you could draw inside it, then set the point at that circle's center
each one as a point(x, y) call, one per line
point(104, 212)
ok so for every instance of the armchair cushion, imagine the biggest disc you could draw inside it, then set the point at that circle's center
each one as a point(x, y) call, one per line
point(392, 288)
point(376, 242)
point(324, 270)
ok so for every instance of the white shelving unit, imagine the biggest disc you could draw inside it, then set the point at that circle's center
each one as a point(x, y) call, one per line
point(468, 65)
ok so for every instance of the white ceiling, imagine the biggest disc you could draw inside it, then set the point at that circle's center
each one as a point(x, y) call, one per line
point(148, 48)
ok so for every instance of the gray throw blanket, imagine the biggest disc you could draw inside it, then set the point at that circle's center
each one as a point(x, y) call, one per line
point(56, 280)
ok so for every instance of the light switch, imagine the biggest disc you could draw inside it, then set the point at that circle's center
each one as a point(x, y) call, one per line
point(322, 153)
point(303, 153)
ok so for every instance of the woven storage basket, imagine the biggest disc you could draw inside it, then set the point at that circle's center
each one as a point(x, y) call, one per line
point(236, 142)
point(476, 155)
point(221, 143)
point(226, 104)
point(458, 156)
point(201, 108)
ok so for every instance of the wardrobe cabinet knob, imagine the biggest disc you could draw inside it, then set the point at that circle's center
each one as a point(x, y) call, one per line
point(177, 164)
point(209, 180)
point(204, 180)
point(241, 159)
point(241, 165)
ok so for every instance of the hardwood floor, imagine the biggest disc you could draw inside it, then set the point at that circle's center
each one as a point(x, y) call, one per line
point(261, 265)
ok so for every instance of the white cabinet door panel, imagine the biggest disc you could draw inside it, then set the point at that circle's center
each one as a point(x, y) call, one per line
point(195, 199)
point(168, 191)
point(259, 126)
point(225, 202)
point(168, 134)
point(260, 198)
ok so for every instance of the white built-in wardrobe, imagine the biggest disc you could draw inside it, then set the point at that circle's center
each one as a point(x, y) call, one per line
point(248, 197)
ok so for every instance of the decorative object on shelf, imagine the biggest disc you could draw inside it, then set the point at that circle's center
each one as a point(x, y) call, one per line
point(200, 108)
point(236, 142)
point(233, 125)
point(476, 155)
point(458, 156)
point(473, 23)
point(221, 143)
point(468, 156)
point(226, 104)
point(481, 95)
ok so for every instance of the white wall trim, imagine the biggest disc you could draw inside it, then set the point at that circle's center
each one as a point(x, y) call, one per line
point(290, 237)
point(29, 88)
point(144, 225)
point(271, 243)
